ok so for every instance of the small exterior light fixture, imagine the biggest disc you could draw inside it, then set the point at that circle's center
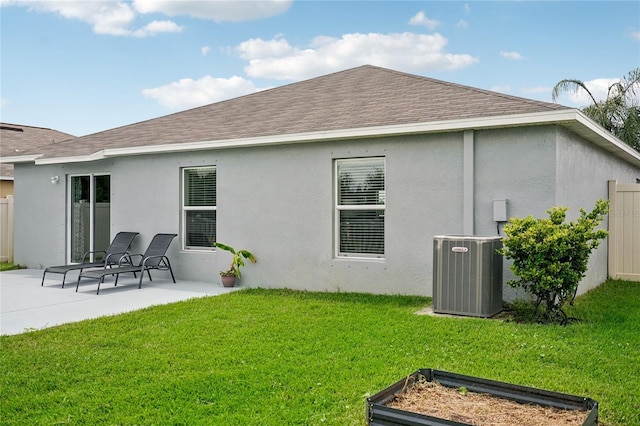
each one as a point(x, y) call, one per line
point(54, 179)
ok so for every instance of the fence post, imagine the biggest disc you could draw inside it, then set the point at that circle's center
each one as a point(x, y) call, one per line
point(611, 240)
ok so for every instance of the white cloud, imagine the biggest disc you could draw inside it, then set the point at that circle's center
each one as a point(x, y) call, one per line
point(118, 17)
point(421, 19)
point(635, 34)
point(188, 93)
point(218, 11)
point(256, 48)
point(535, 90)
point(462, 24)
point(106, 16)
point(501, 89)
point(511, 55)
point(205, 50)
point(277, 59)
point(157, 27)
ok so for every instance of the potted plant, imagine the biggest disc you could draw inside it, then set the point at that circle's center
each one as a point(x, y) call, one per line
point(230, 275)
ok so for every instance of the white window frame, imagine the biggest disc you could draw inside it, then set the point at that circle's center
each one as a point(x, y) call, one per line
point(184, 208)
point(363, 207)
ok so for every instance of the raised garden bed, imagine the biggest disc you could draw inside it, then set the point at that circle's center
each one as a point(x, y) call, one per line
point(434, 397)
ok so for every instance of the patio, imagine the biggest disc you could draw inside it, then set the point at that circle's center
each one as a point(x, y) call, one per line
point(26, 306)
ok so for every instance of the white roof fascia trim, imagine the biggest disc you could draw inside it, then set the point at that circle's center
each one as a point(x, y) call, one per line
point(362, 132)
point(75, 159)
point(20, 159)
point(600, 131)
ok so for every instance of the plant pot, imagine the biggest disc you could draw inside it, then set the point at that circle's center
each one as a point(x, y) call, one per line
point(378, 413)
point(228, 280)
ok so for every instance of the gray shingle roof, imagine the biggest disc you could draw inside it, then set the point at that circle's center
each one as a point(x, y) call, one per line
point(360, 97)
point(16, 139)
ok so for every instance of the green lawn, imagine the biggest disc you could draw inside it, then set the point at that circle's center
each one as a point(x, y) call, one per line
point(269, 357)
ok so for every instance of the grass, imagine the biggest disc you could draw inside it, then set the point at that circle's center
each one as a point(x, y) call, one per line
point(8, 266)
point(278, 357)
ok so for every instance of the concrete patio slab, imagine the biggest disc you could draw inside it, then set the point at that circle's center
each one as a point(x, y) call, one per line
point(26, 306)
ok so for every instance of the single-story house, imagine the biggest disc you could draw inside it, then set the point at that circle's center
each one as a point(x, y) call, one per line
point(16, 139)
point(337, 183)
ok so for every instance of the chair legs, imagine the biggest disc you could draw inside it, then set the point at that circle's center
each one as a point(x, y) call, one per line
point(100, 281)
point(142, 276)
point(140, 271)
point(171, 271)
point(135, 275)
point(45, 273)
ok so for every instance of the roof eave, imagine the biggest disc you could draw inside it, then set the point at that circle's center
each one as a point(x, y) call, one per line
point(569, 118)
point(100, 155)
point(356, 133)
point(599, 136)
point(20, 159)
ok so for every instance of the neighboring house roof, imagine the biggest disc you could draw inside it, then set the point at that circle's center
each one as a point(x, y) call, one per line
point(16, 139)
point(361, 102)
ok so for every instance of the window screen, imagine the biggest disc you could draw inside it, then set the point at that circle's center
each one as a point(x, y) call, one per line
point(199, 207)
point(360, 207)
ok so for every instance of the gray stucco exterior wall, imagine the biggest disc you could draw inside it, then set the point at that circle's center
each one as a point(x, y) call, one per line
point(39, 219)
point(517, 165)
point(278, 202)
point(583, 171)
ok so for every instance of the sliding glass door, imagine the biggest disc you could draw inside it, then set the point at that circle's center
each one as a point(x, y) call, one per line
point(89, 215)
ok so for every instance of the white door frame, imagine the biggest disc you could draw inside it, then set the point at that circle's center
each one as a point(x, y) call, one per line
point(92, 205)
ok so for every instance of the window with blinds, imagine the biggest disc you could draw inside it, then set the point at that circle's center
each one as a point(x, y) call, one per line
point(360, 206)
point(199, 207)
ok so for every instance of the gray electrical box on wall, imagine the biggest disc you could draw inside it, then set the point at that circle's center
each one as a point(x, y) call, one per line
point(467, 275)
point(500, 211)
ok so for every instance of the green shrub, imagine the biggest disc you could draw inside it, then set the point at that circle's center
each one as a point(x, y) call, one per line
point(550, 256)
point(521, 311)
point(7, 266)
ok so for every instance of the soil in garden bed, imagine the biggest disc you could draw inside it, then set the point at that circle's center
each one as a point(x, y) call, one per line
point(459, 405)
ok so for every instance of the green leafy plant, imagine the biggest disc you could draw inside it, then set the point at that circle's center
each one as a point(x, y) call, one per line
point(238, 259)
point(619, 113)
point(550, 256)
point(521, 310)
point(8, 266)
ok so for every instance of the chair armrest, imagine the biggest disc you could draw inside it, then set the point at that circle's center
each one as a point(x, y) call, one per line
point(117, 258)
point(127, 259)
point(111, 256)
point(161, 257)
point(89, 253)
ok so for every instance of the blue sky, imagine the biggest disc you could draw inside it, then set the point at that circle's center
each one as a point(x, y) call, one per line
point(85, 66)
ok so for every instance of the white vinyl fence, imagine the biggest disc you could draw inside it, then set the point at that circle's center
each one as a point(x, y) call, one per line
point(624, 231)
point(6, 229)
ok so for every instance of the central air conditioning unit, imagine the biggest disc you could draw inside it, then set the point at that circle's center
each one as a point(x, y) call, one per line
point(467, 275)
